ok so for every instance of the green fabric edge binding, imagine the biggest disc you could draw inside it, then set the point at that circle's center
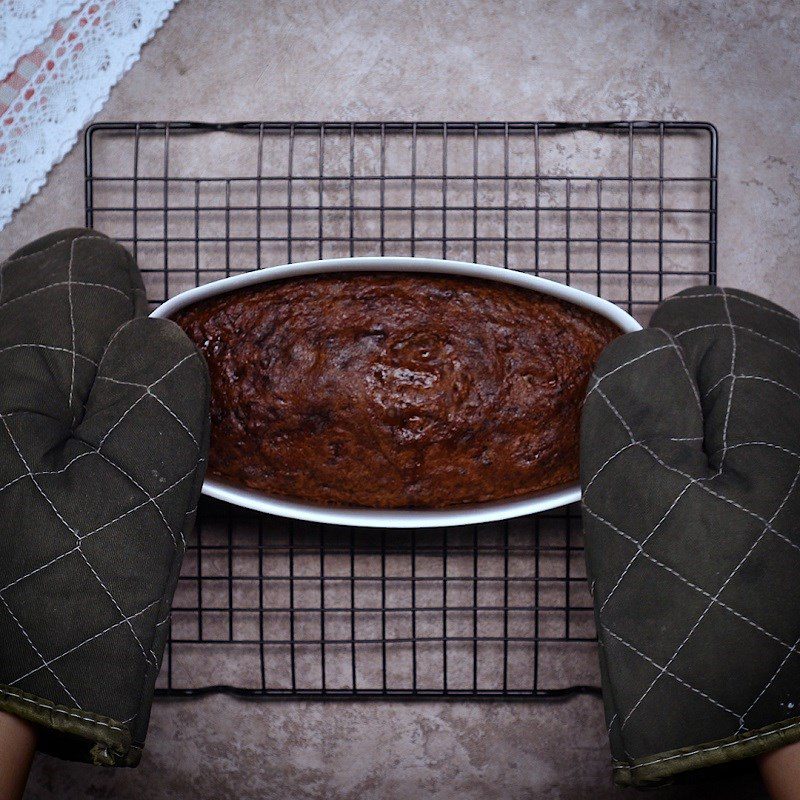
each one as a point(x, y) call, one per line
point(656, 769)
point(86, 736)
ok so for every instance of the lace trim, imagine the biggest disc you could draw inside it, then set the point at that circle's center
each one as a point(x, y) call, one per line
point(64, 84)
point(24, 24)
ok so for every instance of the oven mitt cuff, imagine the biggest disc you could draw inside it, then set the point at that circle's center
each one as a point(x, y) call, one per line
point(103, 441)
point(690, 467)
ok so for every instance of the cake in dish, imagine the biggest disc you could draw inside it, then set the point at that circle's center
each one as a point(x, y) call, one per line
point(390, 390)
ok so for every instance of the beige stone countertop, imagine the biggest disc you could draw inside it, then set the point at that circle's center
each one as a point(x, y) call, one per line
point(734, 63)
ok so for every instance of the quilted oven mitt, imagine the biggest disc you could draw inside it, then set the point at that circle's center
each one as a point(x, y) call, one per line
point(690, 455)
point(103, 437)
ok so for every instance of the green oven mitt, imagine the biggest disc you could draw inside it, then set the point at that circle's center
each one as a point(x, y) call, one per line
point(103, 438)
point(690, 462)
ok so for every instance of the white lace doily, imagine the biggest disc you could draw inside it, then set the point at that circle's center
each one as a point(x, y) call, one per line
point(55, 89)
point(26, 23)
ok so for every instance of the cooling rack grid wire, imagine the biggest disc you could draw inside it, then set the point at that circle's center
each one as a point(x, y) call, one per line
point(270, 607)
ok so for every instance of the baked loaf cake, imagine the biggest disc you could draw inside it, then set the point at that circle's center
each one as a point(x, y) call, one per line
point(395, 390)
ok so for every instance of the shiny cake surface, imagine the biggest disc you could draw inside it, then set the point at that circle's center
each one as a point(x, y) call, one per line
point(392, 390)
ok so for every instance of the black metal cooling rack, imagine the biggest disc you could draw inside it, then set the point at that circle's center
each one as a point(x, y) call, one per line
point(275, 608)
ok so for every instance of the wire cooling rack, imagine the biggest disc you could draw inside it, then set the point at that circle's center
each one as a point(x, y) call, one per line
point(275, 608)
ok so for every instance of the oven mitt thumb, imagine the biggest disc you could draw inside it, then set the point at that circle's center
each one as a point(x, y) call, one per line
point(690, 467)
point(103, 438)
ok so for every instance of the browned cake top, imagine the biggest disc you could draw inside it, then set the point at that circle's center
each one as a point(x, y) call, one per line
point(391, 391)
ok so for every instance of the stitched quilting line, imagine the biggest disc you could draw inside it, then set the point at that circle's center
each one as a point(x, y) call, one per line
point(156, 398)
point(147, 661)
point(733, 296)
point(733, 382)
point(771, 445)
point(600, 378)
point(143, 491)
point(73, 353)
point(13, 481)
point(126, 620)
point(124, 415)
point(121, 383)
point(83, 238)
point(594, 477)
point(80, 456)
point(140, 398)
point(708, 749)
point(671, 345)
point(765, 380)
point(628, 446)
point(49, 347)
point(640, 550)
point(738, 328)
point(704, 487)
point(620, 740)
point(643, 441)
point(158, 625)
point(69, 283)
point(753, 378)
point(617, 415)
point(689, 583)
point(721, 380)
point(74, 549)
point(83, 536)
point(85, 642)
point(710, 605)
point(142, 505)
point(672, 675)
point(644, 542)
point(786, 658)
point(768, 526)
point(73, 532)
point(56, 710)
point(38, 654)
point(120, 420)
point(766, 687)
point(691, 381)
point(86, 284)
point(175, 417)
point(74, 356)
point(45, 471)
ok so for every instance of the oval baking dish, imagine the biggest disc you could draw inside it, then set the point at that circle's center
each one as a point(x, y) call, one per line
point(396, 517)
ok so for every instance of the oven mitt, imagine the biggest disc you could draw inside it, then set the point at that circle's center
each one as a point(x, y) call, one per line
point(103, 438)
point(690, 467)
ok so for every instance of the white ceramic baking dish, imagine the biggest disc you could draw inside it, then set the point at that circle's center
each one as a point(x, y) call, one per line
point(397, 518)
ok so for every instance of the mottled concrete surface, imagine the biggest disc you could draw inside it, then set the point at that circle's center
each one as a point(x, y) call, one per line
point(733, 63)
